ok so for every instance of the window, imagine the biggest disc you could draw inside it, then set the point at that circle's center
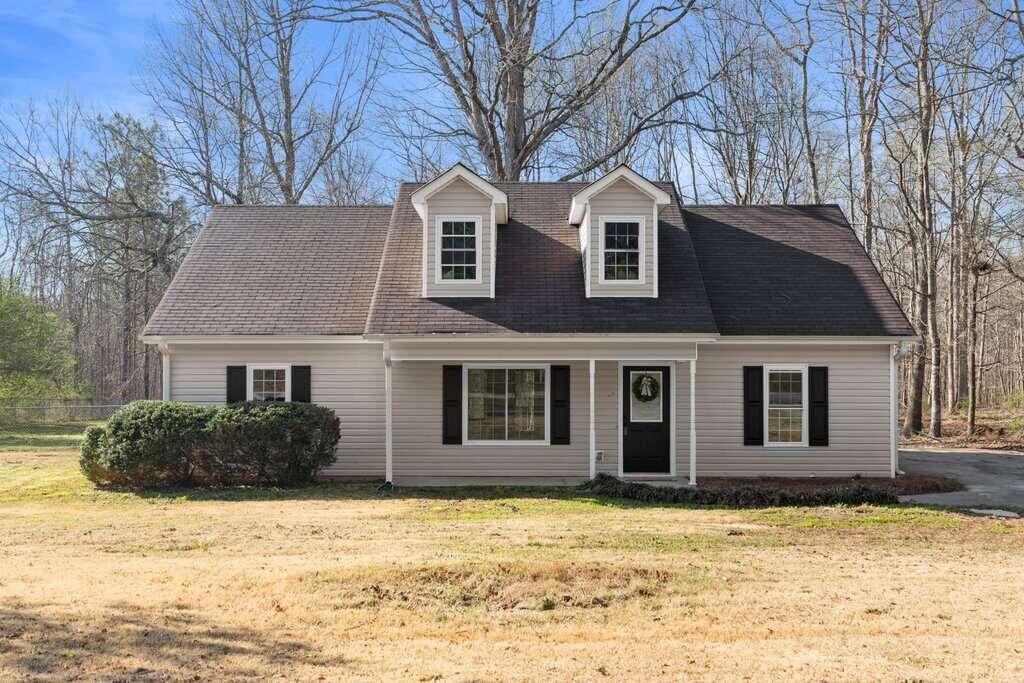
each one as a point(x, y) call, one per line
point(269, 383)
point(786, 406)
point(505, 404)
point(458, 253)
point(623, 241)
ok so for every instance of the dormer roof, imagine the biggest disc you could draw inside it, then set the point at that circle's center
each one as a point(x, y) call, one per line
point(456, 172)
point(622, 172)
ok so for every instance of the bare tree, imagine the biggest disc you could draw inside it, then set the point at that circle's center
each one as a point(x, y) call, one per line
point(511, 76)
point(258, 115)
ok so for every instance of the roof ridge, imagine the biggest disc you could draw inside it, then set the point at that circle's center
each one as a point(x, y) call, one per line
point(302, 206)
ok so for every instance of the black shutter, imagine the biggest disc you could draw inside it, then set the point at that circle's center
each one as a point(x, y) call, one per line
point(302, 384)
point(451, 404)
point(236, 383)
point(753, 405)
point(560, 404)
point(817, 387)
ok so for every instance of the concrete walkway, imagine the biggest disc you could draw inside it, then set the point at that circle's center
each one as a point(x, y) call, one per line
point(993, 479)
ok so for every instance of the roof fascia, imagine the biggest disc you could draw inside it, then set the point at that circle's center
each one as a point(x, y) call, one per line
point(459, 171)
point(257, 339)
point(623, 172)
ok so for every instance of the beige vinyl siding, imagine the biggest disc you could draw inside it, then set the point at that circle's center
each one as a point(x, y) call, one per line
point(349, 378)
point(859, 427)
point(419, 457)
point(459, 198)
point(607, 430)
point(622, 198)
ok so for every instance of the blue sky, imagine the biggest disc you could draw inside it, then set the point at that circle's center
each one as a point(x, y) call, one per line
point(91, 48)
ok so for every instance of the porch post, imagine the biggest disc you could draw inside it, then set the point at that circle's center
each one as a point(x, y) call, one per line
point(593, 422)
point(388, 472)
point(693, 422)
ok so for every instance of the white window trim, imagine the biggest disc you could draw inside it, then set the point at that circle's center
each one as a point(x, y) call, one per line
point(602, 220)
point(466, 441)
point(478, 222)
point(269, 366)
point(802, 369)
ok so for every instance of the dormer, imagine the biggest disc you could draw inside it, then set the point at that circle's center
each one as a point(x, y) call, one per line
point(617, 217)
point(460, 212)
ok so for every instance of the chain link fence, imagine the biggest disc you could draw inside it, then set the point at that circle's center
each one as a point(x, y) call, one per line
point(54, 412)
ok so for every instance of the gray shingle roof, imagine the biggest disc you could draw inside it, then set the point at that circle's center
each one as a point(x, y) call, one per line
point(737, 270)
point(539, 287)
point(289, 270)
point(797, 270)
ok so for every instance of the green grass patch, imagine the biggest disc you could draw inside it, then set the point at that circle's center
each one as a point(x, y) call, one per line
point(42, 437)
point(861, 516)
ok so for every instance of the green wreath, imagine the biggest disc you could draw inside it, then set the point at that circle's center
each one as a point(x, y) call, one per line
point(653, 388)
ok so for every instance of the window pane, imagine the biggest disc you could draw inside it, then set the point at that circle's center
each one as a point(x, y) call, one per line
point(486, 404)
point(622, 251)
point(458, 250)
point(268, 384)
point(785, 388)
point(785, 406)
point(526, 405)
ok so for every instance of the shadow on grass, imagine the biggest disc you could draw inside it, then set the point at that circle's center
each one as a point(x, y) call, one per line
point(124, 642)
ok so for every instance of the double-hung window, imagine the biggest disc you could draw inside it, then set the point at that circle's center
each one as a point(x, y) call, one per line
point(269, 383)
point(458, 251)
point(621, 246)
point(506, 404)
point(785, 389)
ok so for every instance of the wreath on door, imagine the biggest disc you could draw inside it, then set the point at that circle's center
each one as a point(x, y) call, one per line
point(646, 388)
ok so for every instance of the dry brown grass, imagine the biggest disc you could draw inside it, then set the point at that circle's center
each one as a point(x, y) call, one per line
point(334, 583)
point(995, 428)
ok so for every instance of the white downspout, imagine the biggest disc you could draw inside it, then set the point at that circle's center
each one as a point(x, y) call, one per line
point(165, 374)
point(593, 421)
point(693, 418)
point(388, 469)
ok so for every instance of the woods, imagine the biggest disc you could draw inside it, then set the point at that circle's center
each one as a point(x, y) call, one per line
point(906, 113)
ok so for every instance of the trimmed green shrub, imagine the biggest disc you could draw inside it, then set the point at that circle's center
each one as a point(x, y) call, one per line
point(163, 443)
point(267, 443)
point(94, 445)
point(743, 496)
point(149, 443)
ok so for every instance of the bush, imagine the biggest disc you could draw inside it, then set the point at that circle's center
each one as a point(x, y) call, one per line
point(1014, 400)
point(268, 443)
point(743, 496)
point(157, 443)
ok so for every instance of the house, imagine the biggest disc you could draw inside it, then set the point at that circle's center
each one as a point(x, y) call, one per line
point(520, 332)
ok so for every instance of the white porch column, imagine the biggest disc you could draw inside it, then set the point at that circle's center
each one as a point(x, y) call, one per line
point(165, 376)
point(388, 471)
point(593, 421)
point(693, 422)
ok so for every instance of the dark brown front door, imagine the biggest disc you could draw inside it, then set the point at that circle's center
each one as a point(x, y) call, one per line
point(645, 419)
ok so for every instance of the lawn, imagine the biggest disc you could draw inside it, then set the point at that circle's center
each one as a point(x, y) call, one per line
point(334, 582)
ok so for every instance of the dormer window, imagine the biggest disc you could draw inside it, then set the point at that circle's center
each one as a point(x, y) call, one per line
point(461, 213)
point(618, 224)
point(458, 250)
point(623, 244)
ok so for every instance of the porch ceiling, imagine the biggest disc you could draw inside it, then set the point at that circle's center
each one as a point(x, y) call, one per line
point(456, 350)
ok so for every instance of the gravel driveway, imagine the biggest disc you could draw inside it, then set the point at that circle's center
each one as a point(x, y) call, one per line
point(993, 479)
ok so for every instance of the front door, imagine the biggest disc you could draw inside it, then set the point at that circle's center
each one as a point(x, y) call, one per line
point(645, 419)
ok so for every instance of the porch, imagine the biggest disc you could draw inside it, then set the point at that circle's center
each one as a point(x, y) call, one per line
point(631, 410)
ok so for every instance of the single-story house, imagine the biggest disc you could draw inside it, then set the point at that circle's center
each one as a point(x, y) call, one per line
point(543, 332)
